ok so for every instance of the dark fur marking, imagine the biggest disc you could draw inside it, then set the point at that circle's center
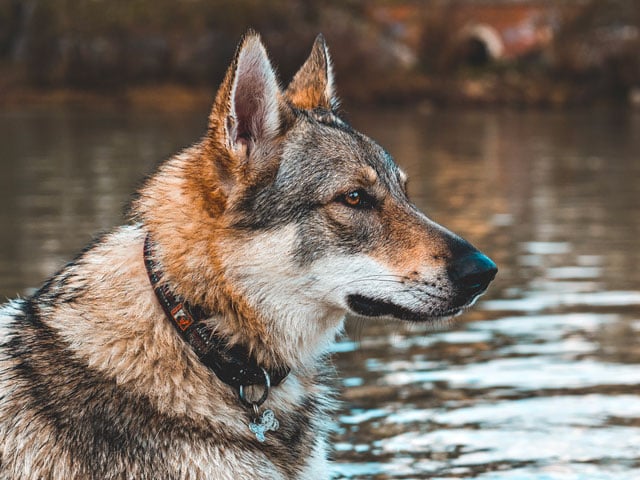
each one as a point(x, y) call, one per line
point(90, 413)
point(56, 289)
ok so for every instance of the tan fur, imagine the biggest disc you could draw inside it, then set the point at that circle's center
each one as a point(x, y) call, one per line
point(402, 254)
point(312, 86)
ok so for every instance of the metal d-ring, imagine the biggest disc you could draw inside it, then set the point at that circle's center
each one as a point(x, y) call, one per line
point(265, 393)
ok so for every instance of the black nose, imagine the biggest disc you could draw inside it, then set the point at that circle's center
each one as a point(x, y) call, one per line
point(473, 272)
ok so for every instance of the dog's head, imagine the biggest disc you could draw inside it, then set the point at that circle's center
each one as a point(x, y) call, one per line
point(308, 218)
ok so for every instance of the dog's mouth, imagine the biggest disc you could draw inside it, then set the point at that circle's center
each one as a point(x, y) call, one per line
point(371, 307)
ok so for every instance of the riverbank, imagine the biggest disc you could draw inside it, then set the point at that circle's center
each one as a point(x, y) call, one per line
point(422, 93)
point(154, 55)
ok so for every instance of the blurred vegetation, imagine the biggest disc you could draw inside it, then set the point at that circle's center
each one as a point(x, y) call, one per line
point(110, 42)
point(599, 49)
point(111, 46)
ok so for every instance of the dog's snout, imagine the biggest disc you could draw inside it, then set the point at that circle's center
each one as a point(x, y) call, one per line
point(473, 272)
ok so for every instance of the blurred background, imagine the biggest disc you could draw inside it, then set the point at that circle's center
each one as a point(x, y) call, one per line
point(518, 123)
point(516, 52)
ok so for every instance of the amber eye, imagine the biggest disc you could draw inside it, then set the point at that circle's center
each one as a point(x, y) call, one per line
point(357, 199)
point(353, 199)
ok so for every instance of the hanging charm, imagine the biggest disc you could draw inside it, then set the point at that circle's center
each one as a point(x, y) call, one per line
point(263, 424)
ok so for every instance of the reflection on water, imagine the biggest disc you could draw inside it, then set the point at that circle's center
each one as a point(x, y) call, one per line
point(67, 176)
point(539, 381)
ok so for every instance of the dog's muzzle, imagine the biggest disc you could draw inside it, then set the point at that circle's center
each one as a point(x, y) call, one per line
point(469, 275)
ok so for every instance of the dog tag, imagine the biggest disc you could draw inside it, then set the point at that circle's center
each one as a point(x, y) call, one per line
point(264, 423)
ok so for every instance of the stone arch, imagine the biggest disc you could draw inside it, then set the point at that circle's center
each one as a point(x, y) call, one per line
point(480, 44)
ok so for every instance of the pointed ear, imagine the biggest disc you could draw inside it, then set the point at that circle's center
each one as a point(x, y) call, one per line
point(312, 86)
point(246, 109)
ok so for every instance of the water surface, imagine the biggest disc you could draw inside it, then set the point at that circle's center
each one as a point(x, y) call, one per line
point(539, 381)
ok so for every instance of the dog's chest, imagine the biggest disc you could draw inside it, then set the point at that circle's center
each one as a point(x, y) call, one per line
point(104, 429)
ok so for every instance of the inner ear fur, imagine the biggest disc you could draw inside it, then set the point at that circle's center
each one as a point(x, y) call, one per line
point(313, 85)
point(246, 109)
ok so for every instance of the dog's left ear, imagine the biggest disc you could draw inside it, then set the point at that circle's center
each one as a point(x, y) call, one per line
point(312, 86)
point(246, 109)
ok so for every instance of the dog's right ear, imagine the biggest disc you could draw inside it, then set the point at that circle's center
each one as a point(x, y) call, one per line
point(246, 110)
point(312, 87)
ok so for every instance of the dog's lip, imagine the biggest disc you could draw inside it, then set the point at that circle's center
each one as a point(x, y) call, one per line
point(371, 307)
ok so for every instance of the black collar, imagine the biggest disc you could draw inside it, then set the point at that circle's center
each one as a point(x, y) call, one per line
point(232, 364)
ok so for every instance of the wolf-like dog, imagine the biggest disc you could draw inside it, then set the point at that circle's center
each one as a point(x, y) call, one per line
point(192, 342)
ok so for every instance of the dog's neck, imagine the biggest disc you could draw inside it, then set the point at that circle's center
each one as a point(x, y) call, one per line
point(233, 364)
point(198, 253)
